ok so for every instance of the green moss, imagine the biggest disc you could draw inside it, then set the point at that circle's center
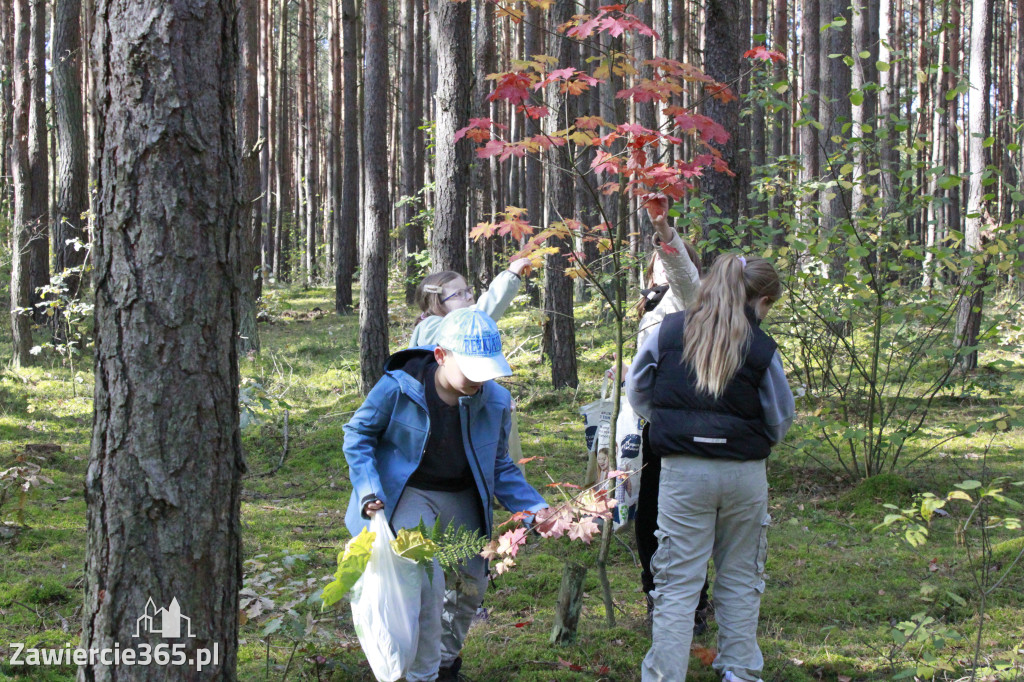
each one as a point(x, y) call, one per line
point(866, 498)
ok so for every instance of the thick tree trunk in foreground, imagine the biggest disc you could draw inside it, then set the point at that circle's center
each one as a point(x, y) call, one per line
point(165, 468)
point(373, 296)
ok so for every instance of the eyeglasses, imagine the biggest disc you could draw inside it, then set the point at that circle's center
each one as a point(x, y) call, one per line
point(465, 293)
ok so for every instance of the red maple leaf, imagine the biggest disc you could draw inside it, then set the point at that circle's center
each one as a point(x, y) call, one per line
point(583, 29)
point(709, 130)
point(534, 112)
point(492, 148)
point(722, 93)
point(763, 53)
point(605, 162)
point(513, 87)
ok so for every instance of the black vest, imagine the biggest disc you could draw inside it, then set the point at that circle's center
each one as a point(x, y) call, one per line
point(685, 421)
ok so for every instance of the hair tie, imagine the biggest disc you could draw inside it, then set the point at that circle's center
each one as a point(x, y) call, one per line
point(743, 261)
point(432, 289)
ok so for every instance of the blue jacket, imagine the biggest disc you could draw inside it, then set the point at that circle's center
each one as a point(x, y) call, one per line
point(385, 438)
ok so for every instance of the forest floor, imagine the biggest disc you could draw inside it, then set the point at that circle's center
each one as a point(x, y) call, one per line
point(838, 591)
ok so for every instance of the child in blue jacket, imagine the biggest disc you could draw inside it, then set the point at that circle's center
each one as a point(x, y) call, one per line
point(431, 442)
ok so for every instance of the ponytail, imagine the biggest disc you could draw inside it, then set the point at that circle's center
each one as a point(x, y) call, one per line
point(717, 334)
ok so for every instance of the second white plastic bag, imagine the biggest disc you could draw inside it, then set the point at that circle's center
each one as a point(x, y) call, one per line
point(386, 606)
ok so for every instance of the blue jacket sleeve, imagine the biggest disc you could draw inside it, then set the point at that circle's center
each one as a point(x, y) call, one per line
point(640, 380)
point(776, 400)
point(511, 488)
point(362, 436)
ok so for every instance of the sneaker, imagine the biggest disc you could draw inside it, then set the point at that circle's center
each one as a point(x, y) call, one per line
point(450, 672)
point(700, 623)
point(730, 677)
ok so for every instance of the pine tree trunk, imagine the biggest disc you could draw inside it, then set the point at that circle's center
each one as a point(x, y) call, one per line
point(333, 177)
point(560, 328)
point(281, 147)
point(533, 43)
point(23, 227)
point(971, 304)
point(810, 37)
point(38, 158)
point(835, 111)
point(6, 111)
point(411, 120)
point(451, 168)
point(484, 63)
point(164, 477)
point(251, 218)
point(723, 53)
point(373, 299)
point(72, 172)
point(265, 104)
point(348, 229)
point(936, 217)
point(308, 126)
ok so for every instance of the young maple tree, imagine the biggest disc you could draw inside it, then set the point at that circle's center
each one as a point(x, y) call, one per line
point(628, 160)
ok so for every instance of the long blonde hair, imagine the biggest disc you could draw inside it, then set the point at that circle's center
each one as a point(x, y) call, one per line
point(717, 334)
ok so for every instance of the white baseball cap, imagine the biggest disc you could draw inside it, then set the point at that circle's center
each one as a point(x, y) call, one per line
point(473, 338)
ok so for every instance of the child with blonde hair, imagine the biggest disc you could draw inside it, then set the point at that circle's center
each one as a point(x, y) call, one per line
point(711, 383)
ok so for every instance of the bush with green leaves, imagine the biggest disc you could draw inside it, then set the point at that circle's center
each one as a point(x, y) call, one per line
point(868, 323)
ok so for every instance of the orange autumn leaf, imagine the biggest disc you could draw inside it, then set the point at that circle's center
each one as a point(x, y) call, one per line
point(703, 654)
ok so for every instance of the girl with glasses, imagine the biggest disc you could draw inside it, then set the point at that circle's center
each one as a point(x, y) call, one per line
point(442, 292)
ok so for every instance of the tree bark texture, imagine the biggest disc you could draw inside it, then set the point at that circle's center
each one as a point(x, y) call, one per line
point(373, 295)
point(411, 98)
point(334, 123)
point(978, 117)
point(72, 170)
point(6, 109)
point(249, 147)
point(281, 147)
point(23, 228)
point(723, 53)
point(38, 158)
point(454, 55)
point(348, 226)
point(164, 476)
point(810, 88)
point(558, 289)
point(570, 603)
point(533, 185)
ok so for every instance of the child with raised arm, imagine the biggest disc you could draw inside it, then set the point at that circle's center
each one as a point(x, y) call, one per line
point(431, 443)
point(711, 383)
point(442, 292)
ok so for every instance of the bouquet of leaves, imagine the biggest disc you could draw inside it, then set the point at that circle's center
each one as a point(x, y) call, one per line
point(450, 546)
point(576, 517)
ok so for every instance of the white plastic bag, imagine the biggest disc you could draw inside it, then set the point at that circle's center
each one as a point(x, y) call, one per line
point(628, 430)
point(386, 606)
